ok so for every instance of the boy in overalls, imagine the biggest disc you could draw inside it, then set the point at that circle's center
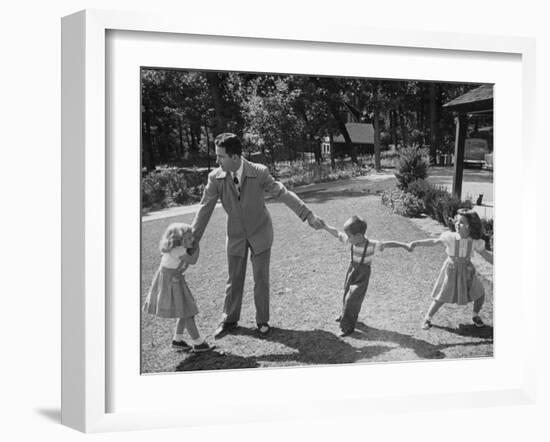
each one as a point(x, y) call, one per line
point(362, 251)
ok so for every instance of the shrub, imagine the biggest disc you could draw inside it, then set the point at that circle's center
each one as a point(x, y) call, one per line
point(166, 187)
point(438, 202)
point(488, 231)
point(411, 164)
point(152, 192)
point(403, 203)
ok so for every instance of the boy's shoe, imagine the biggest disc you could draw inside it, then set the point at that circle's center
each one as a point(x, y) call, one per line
point(224, 328)
point(200, 348)
point(478, 322)
point(427, 324)
point(345, 333)
point(264, 329)
point(181, 345)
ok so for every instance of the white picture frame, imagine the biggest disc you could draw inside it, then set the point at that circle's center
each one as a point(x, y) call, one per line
point(86, 210)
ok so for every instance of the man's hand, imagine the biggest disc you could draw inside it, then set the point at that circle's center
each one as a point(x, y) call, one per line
point(314, 221)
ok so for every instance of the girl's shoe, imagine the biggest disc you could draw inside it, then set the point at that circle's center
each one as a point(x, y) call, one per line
point(427, 324)
point(478, 322)
point(200, 348)
point(181, 345)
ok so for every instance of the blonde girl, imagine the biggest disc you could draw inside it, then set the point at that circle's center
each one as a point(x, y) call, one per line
point(169, 295)
point(458, 281)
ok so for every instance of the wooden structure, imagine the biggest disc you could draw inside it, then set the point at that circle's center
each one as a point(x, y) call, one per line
point(478, 101)
point(362, 137)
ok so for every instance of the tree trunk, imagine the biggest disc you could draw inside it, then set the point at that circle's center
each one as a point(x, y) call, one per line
point(160, 144)
point(376, 116)
point(342, 128)
point(435, 92)
point(404, 135)
point(332, 159)
point(148, 158)
point(376, 138)
point(393, 126)
point(220, 122)
point(180, 151)
point(316, 145)
point(207, 148)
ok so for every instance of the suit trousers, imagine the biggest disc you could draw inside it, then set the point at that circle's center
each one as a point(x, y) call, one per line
point(235, 285)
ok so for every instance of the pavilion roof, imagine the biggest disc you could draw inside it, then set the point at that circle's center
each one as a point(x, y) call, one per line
point(477, 100)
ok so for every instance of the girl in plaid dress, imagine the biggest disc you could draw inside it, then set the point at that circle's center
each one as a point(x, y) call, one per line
point(169, 295)
point(458, 281)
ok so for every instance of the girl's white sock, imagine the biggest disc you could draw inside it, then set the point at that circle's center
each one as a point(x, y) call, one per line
point(178, 337)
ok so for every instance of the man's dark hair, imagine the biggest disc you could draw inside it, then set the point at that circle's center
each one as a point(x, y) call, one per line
point(230, 142)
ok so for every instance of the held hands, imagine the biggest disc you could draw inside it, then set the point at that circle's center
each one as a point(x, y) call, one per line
point(315, 222)
point(411, 246)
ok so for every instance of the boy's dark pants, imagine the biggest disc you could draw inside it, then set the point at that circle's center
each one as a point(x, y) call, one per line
point(355, 289)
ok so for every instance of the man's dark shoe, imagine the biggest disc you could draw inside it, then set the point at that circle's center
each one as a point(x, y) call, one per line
point(264, 329)
point(224, 328)
point(345, 333)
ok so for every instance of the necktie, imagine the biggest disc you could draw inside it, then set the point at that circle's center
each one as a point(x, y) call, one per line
point(236, 181)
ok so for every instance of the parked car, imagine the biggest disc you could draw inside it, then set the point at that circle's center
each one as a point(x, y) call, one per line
point(475, 150)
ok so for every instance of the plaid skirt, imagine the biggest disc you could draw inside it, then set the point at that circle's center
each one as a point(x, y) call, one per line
point(458, 282)
point(169, 296)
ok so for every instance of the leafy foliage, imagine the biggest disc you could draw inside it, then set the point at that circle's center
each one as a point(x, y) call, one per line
point(412, 164)
point(438, 202)
point(402, 202)
point(168, 187)
point(281, 115)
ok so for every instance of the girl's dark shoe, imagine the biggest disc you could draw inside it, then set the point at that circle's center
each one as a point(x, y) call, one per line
point(200, 348)
point(478, 322)
point(181, 345)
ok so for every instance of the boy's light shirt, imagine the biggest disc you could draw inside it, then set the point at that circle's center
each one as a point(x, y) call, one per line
point(373, 248)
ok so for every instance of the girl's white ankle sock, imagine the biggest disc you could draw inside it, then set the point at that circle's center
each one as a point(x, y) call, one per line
point(178, 337)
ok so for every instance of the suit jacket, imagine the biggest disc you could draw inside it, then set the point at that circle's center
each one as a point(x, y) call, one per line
point(247, 218)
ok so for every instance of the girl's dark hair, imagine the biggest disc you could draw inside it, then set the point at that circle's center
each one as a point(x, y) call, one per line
point(355, 225)
point(230, 142)
point(474, 222)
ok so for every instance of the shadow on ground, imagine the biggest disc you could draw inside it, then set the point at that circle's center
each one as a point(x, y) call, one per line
point(319, 347)
point(426, 350)
point(311, 347)
point(470, 330)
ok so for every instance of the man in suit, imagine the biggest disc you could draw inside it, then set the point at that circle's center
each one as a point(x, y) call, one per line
point(241, 187)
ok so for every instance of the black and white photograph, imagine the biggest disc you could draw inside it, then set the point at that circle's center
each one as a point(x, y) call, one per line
point(299, 220)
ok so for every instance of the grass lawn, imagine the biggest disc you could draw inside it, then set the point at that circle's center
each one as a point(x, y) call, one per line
point(307, 275)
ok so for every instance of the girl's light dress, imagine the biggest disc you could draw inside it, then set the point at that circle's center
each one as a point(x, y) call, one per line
point(169, 295)
point(458, 281)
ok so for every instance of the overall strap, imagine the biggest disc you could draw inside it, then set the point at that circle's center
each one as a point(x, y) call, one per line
point(364, 252)
point(469, 251)
point(456, 253)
